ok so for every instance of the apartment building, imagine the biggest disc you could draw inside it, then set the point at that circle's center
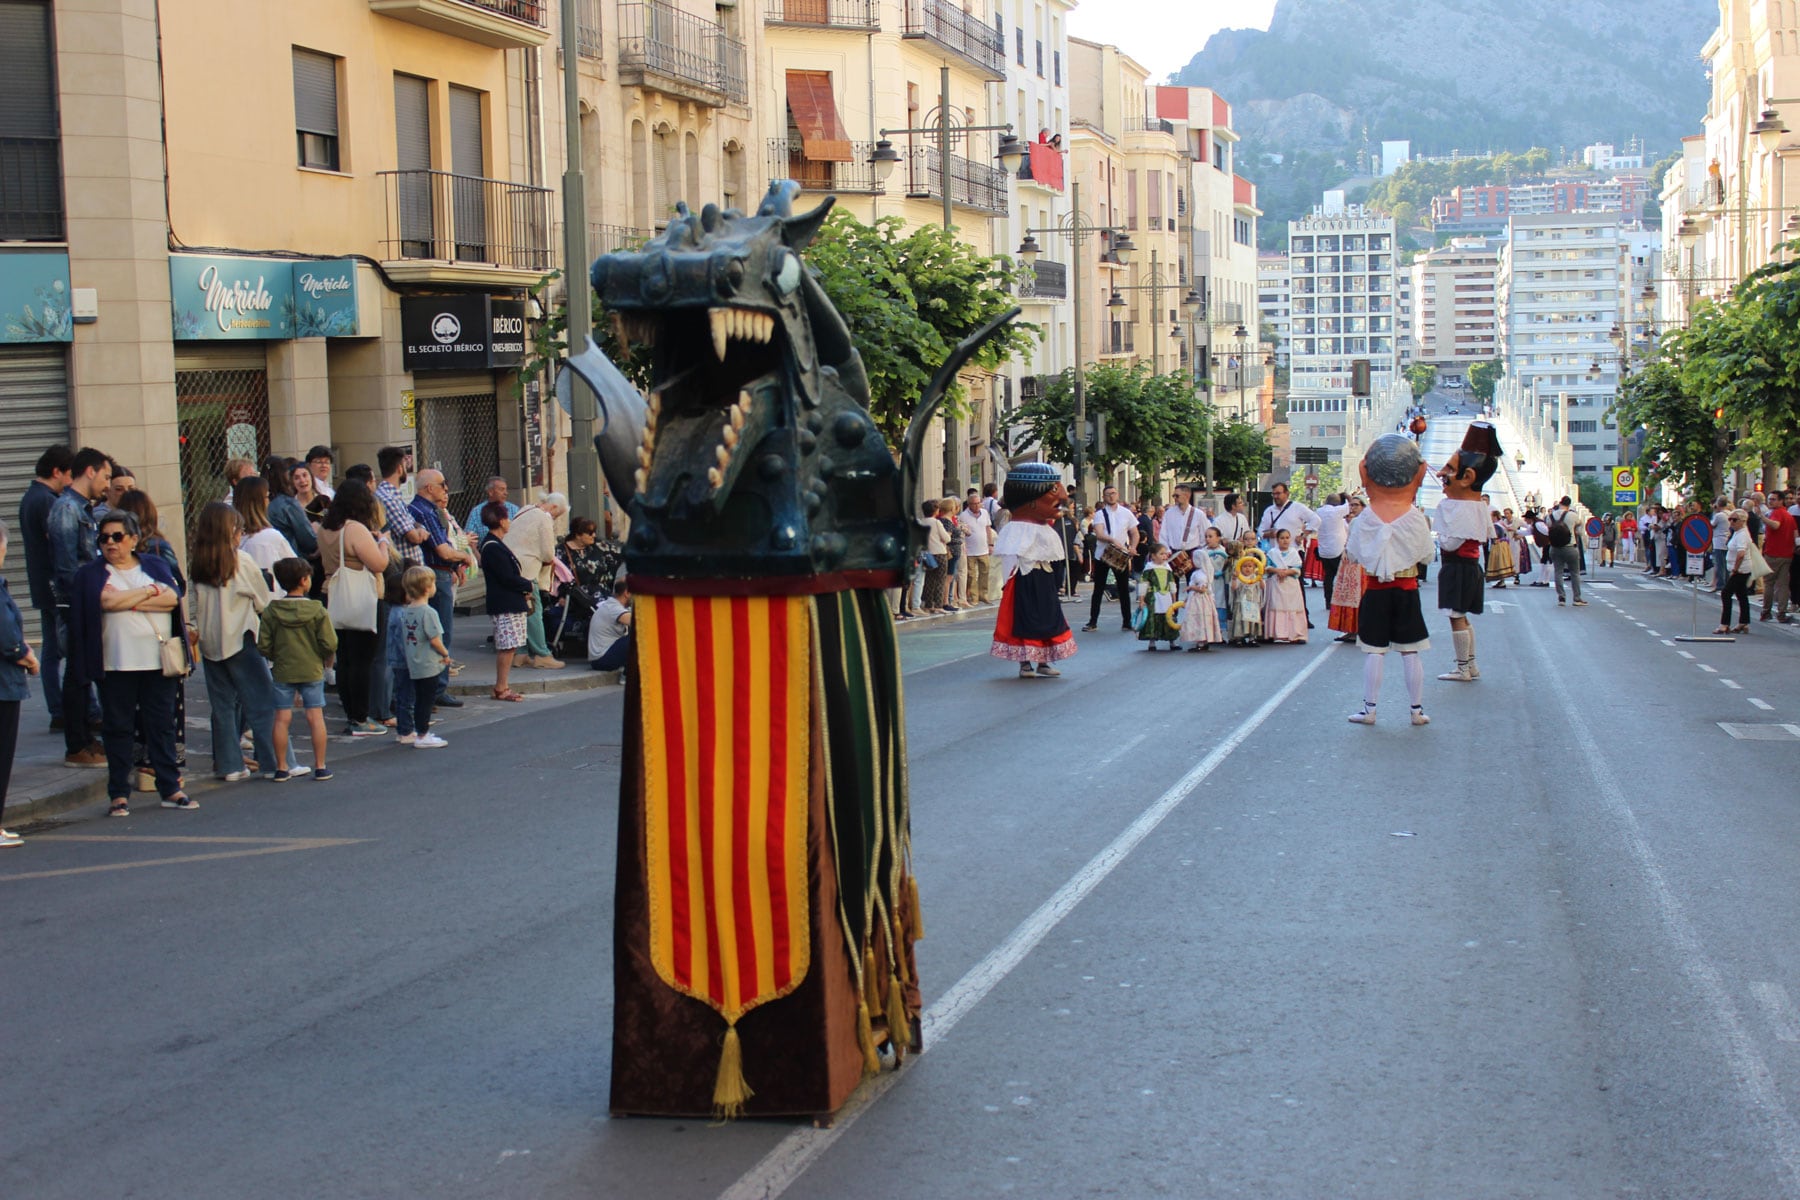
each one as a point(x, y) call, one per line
point(253, 228)
point(1455, 322)
point(1485, 209)
point(1342, 273)
point(1405, 321)
point(1563, 283)
point(1274, 301)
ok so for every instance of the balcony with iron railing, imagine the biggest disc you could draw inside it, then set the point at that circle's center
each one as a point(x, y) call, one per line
point(787, 160)
point(31, 197)
point(502, 24)
point(974, 40)
point(448, 228)
point(1121, 338)
point(1049, 281)
point(681, 55)
point(974, 185)
point(587, 28)
point(861, 16)
point(1149, 125)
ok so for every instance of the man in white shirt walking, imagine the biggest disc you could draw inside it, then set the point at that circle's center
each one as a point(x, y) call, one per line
point(1183, 525)
point(1334, 530)
point(978, 543)
point(1115, 541)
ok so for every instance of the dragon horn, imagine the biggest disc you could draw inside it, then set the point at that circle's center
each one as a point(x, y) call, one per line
point(914, 452)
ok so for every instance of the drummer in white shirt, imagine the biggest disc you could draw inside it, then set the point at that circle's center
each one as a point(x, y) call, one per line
point(1297, 519)
point(1184, 525)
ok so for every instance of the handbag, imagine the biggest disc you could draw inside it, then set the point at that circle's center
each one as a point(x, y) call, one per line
point(352, 597)
point(171, 652)
point(1758, 565)
point(928, 560)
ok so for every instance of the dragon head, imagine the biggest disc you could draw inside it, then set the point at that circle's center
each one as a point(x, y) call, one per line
point(755, 453)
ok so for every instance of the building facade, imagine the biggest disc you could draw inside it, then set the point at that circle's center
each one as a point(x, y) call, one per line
point(1454, 311)
point(1273, 301)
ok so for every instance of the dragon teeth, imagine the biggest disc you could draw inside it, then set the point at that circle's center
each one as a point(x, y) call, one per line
point(723, 455)
point(715, 477)
point(720, 331)
point(642, 478)
point(737, 420)
point(644, 456)
point(731, 437)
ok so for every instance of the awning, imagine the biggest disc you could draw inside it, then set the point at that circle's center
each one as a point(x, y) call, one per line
point(814, 112)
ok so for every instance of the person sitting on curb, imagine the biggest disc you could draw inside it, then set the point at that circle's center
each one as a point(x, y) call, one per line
point(609, 632)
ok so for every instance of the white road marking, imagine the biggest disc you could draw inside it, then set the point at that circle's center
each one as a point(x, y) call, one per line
point(1652, 633)
point(1762, 704)
point(1756, 1085)
point(1668, 641)
point(791, 1156)
point(1684, 654)
point(1708, 668)
point(1733, 684)
point(1779, 1009)
point(1118, 752)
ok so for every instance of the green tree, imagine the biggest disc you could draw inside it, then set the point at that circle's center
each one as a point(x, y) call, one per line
point(1422, 377)
point(1152, 421)
point(908, 298)
point(1483, 376)
point(1682, 442)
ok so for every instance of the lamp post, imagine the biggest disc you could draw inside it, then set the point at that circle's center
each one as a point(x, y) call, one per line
point(585, 495)
point(1156, 286)
point(1076, 229)
point(948, 128)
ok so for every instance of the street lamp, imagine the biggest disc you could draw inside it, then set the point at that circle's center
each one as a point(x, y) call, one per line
point(1077, 229)
point(1157, 284)
point(945, 124)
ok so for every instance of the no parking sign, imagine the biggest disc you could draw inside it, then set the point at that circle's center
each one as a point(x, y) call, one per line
point(1696, 539)
point(1594, 527)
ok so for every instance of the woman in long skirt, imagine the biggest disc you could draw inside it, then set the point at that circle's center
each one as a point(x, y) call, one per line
point(1501, 569)
point(1284, 607)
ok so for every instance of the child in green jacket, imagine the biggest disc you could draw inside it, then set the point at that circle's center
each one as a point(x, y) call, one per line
point(299, 642)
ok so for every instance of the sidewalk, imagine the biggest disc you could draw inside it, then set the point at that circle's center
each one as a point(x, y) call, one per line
point(42, 787)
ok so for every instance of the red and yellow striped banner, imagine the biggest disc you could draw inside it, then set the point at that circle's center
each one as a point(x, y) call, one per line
point(726, 686)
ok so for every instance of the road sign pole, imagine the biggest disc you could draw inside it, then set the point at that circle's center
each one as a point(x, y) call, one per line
point(1694, 532)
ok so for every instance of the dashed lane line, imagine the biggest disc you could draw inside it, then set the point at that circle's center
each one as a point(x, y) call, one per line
point(1708, 668)
point(1733, 684)
point(1762, 704)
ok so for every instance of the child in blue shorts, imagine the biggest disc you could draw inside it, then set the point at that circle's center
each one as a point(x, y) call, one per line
point(298, 640)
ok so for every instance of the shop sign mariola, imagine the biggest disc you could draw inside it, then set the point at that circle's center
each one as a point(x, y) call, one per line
point(231, 299)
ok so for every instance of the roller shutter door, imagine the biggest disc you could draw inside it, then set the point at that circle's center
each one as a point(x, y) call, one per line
point(34, 411)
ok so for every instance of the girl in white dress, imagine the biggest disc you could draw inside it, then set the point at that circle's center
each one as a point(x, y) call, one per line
point(1199, 609)
point(1284, 606)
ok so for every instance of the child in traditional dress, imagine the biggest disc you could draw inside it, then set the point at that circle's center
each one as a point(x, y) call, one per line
point(1157, 589)
point(1199, 615)
point(1220, 561)
point(1501, 569)
point(1284, 607)
point(1246, 598)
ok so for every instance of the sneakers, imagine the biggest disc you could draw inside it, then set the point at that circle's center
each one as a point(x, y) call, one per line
point(1419, 717)
point(9, 838)
point(1046, 671)
point(321, 774)
point(1089, 628)
point(1025, 671)
point(365, 729)
point(1581, 604)
point(545, 663)
point(184, 802)
point(299, 769)
point(408, 739)
point(237, 776)
point(90, 758)
point(430, 741)
point(446, 700)
point(279, 776)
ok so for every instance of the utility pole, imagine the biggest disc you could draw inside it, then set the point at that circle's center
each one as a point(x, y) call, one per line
point(585, 495)
point(952, 427)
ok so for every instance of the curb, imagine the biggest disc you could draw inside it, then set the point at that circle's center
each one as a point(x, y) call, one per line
point(576, 677)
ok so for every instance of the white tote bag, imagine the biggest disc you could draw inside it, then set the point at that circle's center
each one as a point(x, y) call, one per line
point(353, 593)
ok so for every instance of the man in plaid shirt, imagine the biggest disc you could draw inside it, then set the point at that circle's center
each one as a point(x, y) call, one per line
point(401, 528)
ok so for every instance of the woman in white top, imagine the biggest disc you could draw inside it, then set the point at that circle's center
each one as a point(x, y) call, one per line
point(265, 544)
point(229, 596)
point(1737, 573)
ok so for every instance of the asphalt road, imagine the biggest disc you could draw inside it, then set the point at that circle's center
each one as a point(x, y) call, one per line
point(1189, 933)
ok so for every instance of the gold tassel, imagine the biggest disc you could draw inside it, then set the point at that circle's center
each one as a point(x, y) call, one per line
point(865, 1037)
point(899, 1027)
point(871, 989)
point(730, 1091)
point(915, 919)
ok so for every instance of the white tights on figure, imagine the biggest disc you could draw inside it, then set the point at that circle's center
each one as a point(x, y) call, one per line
point(1412, 666)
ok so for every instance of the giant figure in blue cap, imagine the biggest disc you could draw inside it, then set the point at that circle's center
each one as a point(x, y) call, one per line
point(1031, 629)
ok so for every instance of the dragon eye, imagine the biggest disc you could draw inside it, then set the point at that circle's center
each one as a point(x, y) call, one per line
point(787, 275)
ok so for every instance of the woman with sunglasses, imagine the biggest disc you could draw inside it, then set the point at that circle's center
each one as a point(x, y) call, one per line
point(1737, 573)
point(124, 606)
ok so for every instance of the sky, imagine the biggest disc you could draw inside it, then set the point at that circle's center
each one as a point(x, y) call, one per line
point(1164, 34)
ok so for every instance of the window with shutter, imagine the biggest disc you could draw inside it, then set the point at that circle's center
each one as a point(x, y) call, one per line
point(316, 109)
point(412, 155)
point(468, 163)
point(31, 194)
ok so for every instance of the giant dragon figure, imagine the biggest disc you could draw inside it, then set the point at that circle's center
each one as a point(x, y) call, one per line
point(765, 906)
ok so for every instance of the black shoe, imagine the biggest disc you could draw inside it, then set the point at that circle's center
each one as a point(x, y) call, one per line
point(446, 700)
point(1125, 627)
point(1089, 628)
point(56, 723)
